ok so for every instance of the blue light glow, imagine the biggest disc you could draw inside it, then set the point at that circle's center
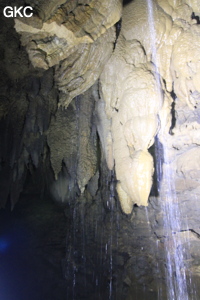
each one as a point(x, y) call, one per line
point(4, 244)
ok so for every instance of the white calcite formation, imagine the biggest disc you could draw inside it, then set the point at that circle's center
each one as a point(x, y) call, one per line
point(133, 110)
point(156, 53)
point(77, 37)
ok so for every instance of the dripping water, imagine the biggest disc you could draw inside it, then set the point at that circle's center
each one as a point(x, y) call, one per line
point(111, 203)
point(176, 267)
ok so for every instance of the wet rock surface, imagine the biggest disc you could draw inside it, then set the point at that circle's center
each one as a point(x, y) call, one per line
point(85, 247)
point(127, 256)
point(89, 249)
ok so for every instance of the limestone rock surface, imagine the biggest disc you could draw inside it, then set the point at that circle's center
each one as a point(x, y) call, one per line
point(132, 103)
point(137, 127)
point(78, 38)
point(151, 56)
point(152, 62)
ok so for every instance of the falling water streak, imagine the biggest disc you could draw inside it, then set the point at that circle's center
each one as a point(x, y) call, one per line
point(112, 203)
point(193, 295)
point(153, 39)
point(175, 259)
point(83, 247)
point(101, 258)
point(111, 258)
point(176, 271)
point(74, 213)
point(74, 253)
point(159, 286)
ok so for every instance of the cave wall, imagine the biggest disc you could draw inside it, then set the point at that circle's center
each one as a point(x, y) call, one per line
point(145, 70)
point(55, 147)
point(81, 139)
point(150, 55)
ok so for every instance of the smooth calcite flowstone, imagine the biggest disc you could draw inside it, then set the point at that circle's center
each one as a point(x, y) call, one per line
point(140, 69)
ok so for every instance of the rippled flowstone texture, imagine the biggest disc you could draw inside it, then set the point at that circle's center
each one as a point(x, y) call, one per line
point(82, 124)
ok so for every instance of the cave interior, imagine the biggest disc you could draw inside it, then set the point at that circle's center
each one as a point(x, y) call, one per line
point(100, 150)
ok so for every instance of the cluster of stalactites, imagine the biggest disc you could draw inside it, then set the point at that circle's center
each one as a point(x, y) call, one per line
point(75, 36)
point(149, 60)
point(136, 80)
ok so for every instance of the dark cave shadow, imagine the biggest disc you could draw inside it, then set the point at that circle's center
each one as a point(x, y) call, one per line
point(125, 2)
point(156, 150)
point(195, 17)
point(173, 113)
